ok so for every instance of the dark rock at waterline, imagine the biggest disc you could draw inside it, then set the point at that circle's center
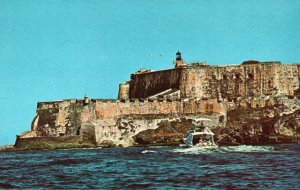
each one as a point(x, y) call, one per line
point(168, 132)
point(107, 143)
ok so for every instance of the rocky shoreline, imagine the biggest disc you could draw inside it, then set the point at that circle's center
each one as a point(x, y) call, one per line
point(259, 126)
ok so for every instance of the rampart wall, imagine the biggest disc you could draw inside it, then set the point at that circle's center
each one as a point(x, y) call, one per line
point(65, 117)
point(136, 107)
point(220, 82)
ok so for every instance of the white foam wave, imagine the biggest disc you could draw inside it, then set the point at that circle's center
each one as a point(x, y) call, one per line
point(224, 149)
point(192, 150)
point(246, 148)
point(148, 151)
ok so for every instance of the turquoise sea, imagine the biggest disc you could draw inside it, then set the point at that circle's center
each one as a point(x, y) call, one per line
point(240, 167)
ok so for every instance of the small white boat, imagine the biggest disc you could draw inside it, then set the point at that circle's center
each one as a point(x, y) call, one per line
point(200, 136)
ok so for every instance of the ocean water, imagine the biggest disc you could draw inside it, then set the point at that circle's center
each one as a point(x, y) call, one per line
point(240, 167)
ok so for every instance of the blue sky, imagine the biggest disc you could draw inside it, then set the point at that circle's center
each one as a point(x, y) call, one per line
point(58, 49)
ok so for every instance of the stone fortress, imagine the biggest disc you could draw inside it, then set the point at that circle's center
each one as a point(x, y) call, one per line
point(151, 98)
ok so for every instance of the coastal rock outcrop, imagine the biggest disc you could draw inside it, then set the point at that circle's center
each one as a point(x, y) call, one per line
point(271, 125)
point(261, 126)
point(171, 132)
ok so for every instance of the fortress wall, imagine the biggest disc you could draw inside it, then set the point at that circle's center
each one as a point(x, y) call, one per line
point(287, 80)
point(48, 114)
point(108, 110)
point(252, 78)
point(269, 78)
point(298, 66)
point(231, 82)
point(117, 122)
point(212, 82)
point(146, 84)
point(62, 117)
point(202, 88)
point(66, 118)
point(192, 83)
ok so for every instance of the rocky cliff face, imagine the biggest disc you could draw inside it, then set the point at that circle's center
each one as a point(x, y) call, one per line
point(171, 132)
point(260, 126)
point(279, 123)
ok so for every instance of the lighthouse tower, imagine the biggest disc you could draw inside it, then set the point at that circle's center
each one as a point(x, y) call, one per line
point(179, 62)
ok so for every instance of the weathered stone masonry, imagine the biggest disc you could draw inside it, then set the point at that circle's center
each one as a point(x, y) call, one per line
point(249, 79)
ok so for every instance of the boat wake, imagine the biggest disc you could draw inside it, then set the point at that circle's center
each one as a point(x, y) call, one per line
point(225, 149)
point(246, 148)
point(193, 150)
